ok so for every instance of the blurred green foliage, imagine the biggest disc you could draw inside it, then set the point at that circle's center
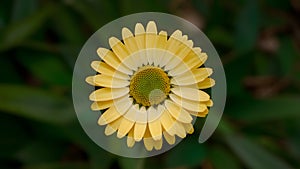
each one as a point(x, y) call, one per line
point(258, 42)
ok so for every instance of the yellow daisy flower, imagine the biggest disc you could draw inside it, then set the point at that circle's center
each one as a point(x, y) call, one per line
point(150, 85)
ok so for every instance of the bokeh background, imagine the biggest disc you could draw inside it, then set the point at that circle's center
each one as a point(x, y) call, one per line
point(257, 40)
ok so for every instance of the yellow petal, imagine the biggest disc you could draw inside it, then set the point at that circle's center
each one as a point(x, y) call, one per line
point(161, 42)
point(155, 129)
point(118, 48)
point(180, 131)
point(122, 53)
point(202, 57)
point(148, 141)
point(199, 114)
point(166, 56)
point(192, 77)
point(190, 93)
point(131, 113)
point(123, 103)
point(118, 109)
point(168, 123)
point(132, 61)
point(139, 58)
point(140, 35)
point(188, 104)
point(139, 131)
point(203, 114)
point(91, 80)
point(178, 112)
point(136, 114)
point(129, 40)
point(141, 115)
point(101, 105)
point(158, 144)
point(206, 83)
point(112, 127)
point(139, 29)
point(193, 60)
point(125, 127)
point(151, 36)
point(109, 115)
point(111, 59)
point(111, 82)
point(105, 69)
point(184, 37)
point(105, 94)
point(140, 41)
point(107, 81)
point(130, 139)
point(169, 138)
point(174, 41)
point(181, 53)
point(209, 103)
point(171, 47)
point(155, 113)
point(188, 127)
point(151, 28)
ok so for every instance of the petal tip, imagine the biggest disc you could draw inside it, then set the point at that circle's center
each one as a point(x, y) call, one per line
point(151, 27)
point(90, 80)
point(126, 33)
point(163, 33)
point(102, 52)
point(92, 97)
point(101, 121)
point(177, 34)
point(120, 135)
point(157, 138)
point(94, 106)
point(139, 29)
point(113, 41)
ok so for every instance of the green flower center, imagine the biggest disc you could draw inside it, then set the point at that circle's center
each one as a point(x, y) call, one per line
point(149, 86)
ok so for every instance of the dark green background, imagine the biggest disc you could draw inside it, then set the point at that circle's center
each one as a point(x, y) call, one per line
point(258, 42)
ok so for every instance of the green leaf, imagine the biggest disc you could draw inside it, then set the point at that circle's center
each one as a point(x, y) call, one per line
point(188, 153)
point(89, 12)
point(287, 56)
point(252, 111)
point(247, 27)
point(75, 133)
point(39, 152)
point(100, 158)
point(35, 104)
point(220, 36)
point(5, 9)
point(262, 64)
point(236, 70)
point(8, 65)
point(66, 25)
point(16, 32)
point(222, 158)
point(69, 53)
point(253, 155)
point(126, 6)
point(12, 131)
point(61, 165)
point(46, 67)
point(23, 8)
point(129, 163)
point(282, 5)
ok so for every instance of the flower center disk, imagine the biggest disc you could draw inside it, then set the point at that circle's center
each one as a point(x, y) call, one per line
point(149, 86)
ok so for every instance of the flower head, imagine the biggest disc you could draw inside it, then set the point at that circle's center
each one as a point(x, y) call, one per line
point(150, 85)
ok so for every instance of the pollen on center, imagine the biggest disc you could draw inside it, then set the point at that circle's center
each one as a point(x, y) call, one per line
point(149, 86)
